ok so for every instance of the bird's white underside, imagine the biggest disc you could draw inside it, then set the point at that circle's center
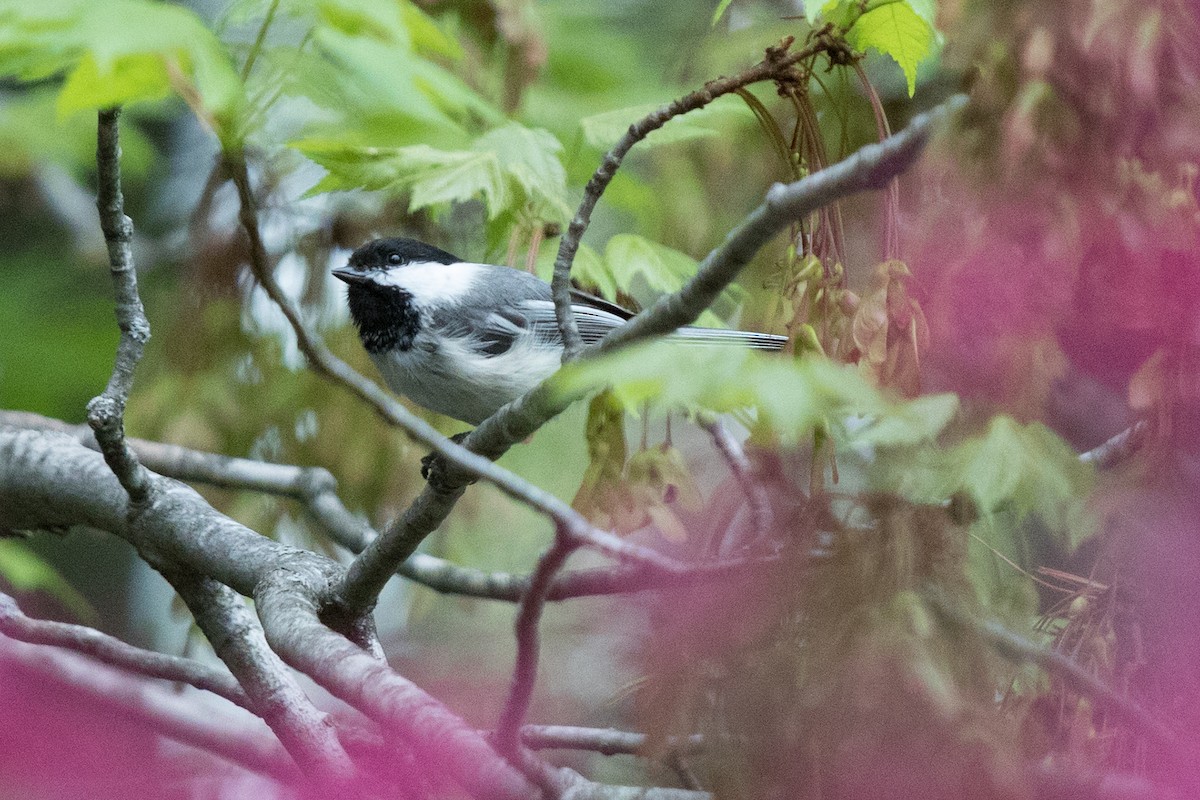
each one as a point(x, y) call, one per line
point(453, 379)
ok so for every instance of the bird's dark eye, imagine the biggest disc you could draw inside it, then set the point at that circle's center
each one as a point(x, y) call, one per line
point(394, 258)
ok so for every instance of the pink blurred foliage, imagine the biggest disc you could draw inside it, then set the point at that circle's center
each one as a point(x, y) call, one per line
point(58, 743)
point(1068, 224)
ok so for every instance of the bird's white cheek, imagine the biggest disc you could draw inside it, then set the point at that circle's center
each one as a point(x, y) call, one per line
point(433, 284)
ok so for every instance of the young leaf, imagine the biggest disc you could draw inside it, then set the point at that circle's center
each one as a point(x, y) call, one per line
point(896, 30)
point(510, 168)
point(120, 51)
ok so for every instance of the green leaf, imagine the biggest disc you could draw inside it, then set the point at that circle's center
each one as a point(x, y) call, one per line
point(427, 37)
point(815, 8)
point(27, 572)
point(631, 258)
point(459, 178)
point(31, 134)
point(792, 397)
point(1011, 468)
point(529, 157)
point(509, 168)
point(120, 51)
point(896, 30)
point(919, 420)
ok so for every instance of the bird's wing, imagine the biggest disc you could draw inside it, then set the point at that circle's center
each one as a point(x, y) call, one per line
point(593, 323)
point(537, 317)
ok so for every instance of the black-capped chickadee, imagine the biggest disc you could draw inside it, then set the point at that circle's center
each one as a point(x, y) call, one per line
point(463, 339)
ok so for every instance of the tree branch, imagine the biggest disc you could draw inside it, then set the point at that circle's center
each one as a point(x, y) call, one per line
point(237, 737)
point(275, 695)
point(49, 480)
point(102, 647)
point(106, 412)
point(529, 615)
point(315, 488)
point(607, 741)
point(777, 65)
point(872, 167)
point(739, 465)
point(1119, 448)
point(1015, 647)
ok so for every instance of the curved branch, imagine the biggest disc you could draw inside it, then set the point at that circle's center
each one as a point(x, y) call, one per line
point(112, 651)
point(106, 412)
point(315, 488)
point(237, 737)
point(49, 480)
point(529, 615)
point(871, 167)
point(777, 65)
point(1013, 646)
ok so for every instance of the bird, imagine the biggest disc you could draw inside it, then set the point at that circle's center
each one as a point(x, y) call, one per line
point(464, 339)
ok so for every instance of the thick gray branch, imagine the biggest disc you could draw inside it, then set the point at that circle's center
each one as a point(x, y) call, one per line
point(315, 488)
point(106, 412)
point(49, 480)
point(286, 605)
point(275, 695)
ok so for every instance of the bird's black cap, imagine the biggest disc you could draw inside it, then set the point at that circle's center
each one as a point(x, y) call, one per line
point(387, 253)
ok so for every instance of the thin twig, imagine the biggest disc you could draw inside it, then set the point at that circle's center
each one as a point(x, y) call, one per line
point(1015, 647)
point(529, 615)
point(112, 651)
point(106, 412)
point(777, 65)
point(607, 741)
point(739, 465)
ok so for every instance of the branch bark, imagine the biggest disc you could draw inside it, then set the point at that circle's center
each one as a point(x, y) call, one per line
point(49, 480)
point(102, 647)
point(106, 412)
point(274, 693)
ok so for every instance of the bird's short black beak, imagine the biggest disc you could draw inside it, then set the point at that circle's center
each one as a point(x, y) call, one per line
point(351, 276)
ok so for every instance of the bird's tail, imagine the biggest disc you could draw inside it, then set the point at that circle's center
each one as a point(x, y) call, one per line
point(759, 341)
